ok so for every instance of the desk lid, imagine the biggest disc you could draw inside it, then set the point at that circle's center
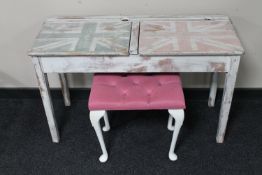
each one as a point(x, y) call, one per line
point(82, 38)
point(189, 37)
point(147, 36)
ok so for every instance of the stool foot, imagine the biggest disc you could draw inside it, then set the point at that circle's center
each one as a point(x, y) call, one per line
point(103, 158)
point(95, 116)
point(178, 115)
point(172, 156)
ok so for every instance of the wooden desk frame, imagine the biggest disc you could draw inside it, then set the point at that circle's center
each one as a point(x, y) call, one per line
point(227, 64)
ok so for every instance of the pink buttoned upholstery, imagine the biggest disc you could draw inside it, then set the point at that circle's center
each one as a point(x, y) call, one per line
point(136, 92)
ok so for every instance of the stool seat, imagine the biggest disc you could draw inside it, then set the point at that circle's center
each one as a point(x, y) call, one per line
point(136, 92)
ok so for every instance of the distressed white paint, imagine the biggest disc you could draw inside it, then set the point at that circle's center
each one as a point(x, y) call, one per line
point(135, 63)
point(213, 89)
point(133, 50)
point(65, 89)
point(151, 64)
point(136, 18)
point(227, 98)
point(46, 98)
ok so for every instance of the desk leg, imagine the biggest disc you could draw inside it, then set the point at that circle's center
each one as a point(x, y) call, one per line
point(213, 89)
point(65, 89)
point(46, 98)
point(227, 98)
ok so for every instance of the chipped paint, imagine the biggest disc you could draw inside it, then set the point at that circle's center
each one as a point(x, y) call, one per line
point(218, 67)
point(58, 54)
point(139, 69)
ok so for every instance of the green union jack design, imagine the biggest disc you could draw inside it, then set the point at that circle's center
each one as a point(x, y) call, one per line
point(83, 38)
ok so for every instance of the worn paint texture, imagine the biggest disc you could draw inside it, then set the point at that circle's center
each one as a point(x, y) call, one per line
point(83, 38)
point(158, 37)
point(188, 37)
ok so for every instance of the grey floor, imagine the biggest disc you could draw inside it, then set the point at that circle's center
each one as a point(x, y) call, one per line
point(138, 142)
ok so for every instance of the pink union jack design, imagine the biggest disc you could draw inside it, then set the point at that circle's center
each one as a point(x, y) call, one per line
point(205, 37)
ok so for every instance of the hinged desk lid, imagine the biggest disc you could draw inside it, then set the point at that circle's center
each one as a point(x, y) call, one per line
point(82, 38)
point(189, 37)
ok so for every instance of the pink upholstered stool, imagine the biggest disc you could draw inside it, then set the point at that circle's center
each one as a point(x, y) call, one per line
point(136, 92)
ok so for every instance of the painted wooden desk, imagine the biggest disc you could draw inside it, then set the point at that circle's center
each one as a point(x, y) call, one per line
point(137, 44)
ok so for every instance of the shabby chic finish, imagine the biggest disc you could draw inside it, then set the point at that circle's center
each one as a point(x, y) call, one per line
point(83, 38)
point(46, 98)
point(138, 44)
point(213, 89)
point(188, 37)
point(65, 90)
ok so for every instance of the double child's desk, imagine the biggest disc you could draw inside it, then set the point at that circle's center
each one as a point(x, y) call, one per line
point(137, 44)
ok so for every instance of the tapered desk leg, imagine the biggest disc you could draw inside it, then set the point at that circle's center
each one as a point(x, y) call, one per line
point(65, 89)
point(46, 98)
point(213, 90)
point(227, 98)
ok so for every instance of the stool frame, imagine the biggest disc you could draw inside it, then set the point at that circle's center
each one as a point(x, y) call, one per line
point(175, 114)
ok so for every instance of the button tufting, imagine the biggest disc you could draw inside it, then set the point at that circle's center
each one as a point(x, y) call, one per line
point(149, 92)
point(112, 83)
point(136, 92)
point(124, 93)
point(135, 83)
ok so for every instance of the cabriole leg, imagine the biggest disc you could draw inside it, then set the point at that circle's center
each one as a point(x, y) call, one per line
point(107, 125)
point(46, 98)
point(95, 117)
point(170, 125)
point(178, 115)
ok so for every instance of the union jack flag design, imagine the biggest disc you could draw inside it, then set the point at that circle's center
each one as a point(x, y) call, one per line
point(83, 38)
point(202, 37)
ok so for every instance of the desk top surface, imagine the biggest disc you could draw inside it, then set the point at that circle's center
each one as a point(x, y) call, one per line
point(162, 36)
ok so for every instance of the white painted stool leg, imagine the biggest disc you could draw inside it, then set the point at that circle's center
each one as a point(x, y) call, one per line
point(107, 125)
point(95, 116)
point(178, 115)
point(170, 125)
